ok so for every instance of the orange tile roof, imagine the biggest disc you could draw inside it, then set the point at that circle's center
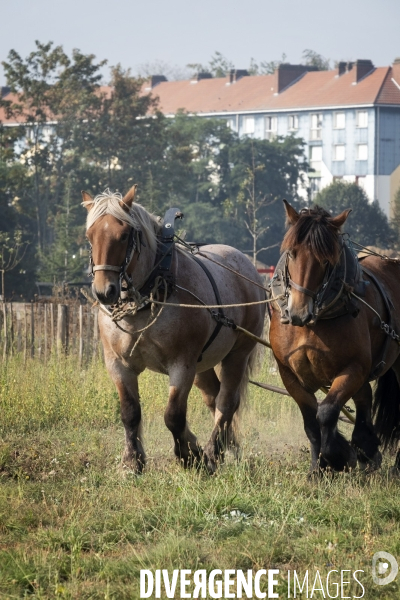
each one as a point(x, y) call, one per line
point(315, 89)
point(318, 89)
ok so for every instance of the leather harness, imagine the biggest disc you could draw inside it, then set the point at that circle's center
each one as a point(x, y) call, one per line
point(163, 269)
point(335, 297)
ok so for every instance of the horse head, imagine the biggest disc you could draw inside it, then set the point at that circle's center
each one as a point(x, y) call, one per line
point(115, 227)
point(313, 246)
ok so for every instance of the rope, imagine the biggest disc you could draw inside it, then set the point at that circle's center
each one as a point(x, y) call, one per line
point(221, 265)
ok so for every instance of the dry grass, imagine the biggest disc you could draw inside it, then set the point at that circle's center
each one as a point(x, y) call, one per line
point(71, 527)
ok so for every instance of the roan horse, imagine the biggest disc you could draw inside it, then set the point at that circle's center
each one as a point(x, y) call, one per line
point(125, 240)
point(344, 353)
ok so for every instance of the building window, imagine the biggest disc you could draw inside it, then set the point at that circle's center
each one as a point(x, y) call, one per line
point(316, 126)
point(316, 158)
point(339, 120)
point(271, 127)
point(248, 125)
point(362, 152)
point(315, 187)
point(293, 122)
point(339, 152)
point(362, 118)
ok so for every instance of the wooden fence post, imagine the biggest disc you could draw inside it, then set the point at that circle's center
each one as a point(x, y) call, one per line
point(26, 333)
point(61, 329)
point(80, 334)
point(95, 332)
point(51, 326)
point(32, 332)
point(5, 330)
point(45, 331)
point(11, 330)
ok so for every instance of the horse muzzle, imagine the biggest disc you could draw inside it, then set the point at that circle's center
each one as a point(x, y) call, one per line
point(108, 295)
point(300, 320)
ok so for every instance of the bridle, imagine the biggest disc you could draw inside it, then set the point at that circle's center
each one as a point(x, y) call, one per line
point(135, 243)
point(318, 295)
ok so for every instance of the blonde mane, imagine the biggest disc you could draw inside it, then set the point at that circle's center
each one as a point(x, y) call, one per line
point(109, 203)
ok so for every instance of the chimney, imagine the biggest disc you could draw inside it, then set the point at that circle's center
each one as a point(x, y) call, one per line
point(4, 91)
point(236, 74)
point(156, 79)
point(363, 67)
point(287, 74)
point(200, 76)
point(341, 68)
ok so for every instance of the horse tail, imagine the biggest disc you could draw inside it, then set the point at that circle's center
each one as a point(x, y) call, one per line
point(254, 364)
point(386, 410)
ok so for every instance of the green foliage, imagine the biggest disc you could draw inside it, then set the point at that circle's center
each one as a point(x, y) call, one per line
point(367, 224)
point(81, 136)
point(219, 66)
point(313, 59)
point(265, 67)
point(263, 173)
point(396, 214)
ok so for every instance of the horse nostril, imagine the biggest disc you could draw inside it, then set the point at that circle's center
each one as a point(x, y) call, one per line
point(111, 290)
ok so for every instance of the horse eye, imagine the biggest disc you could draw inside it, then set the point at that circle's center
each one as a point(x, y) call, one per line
point(124, 238)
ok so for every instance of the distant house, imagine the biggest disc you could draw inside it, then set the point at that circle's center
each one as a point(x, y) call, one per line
point(348, 117)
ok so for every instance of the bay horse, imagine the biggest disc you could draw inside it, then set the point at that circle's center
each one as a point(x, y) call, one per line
point(344, 353)
point(125, 240)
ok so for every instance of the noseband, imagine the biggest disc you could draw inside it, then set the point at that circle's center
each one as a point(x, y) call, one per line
point(135, 243)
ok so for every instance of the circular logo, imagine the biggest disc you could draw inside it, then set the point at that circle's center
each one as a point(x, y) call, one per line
point(384, 568)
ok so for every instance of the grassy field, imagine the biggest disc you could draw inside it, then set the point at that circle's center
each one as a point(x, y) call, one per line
point(72, 527)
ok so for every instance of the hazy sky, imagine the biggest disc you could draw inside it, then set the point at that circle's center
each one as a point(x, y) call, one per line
point(133, 32)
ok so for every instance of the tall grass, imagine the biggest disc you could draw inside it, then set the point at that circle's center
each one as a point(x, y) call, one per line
point(72, 527)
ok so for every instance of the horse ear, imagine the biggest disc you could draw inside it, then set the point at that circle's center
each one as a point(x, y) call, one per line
point(292, 216)
point(340, 219)
point(87, 200)
point(129, 198)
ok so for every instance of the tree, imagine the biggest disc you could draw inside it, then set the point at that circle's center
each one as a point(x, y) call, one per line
point(313, 59)
point(55, 95)
point(219, 66)
point(12, 251)
point(367, 224)
point(263, 173)
point(396, 214)
point(266, 67)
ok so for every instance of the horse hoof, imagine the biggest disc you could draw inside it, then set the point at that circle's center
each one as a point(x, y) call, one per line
point(369, 465)
point(132, 465)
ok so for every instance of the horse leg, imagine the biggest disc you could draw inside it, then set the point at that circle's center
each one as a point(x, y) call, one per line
point(336, 450)
point(232, 378)
point(186, 448)
point(134, 457)
point(364, 438)
point(307, 402)
point(209, 386)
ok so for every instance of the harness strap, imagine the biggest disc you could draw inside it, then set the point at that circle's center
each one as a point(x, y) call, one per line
point(375, 373)
point(218, 316)
point(302, 289)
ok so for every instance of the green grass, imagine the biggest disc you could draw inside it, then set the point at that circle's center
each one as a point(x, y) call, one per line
point(72, 527)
